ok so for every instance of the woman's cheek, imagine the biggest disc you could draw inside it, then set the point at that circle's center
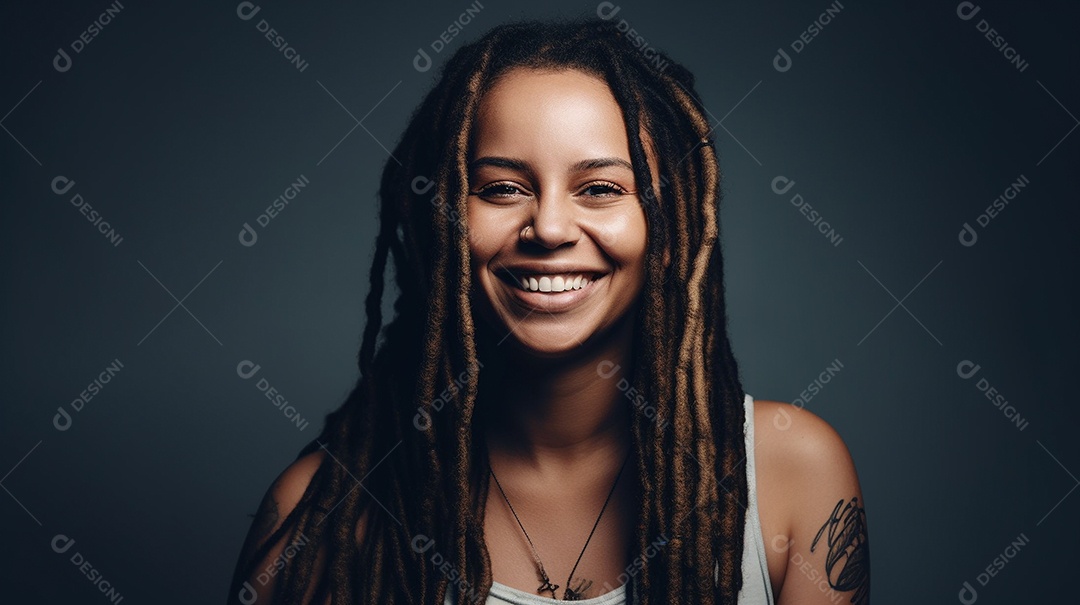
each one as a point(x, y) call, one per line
point(477, 235)
point(617, 230)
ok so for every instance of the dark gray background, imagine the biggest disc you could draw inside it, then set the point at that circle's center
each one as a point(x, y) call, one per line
point(180, 124)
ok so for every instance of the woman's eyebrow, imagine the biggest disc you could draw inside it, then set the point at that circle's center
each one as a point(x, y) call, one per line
point(499, 162)
point(582, 166)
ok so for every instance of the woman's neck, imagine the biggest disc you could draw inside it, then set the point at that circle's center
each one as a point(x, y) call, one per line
point(554, 415)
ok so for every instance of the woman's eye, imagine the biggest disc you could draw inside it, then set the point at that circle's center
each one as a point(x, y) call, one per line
point(499, 190)
point(506, 190)
point(604, 190)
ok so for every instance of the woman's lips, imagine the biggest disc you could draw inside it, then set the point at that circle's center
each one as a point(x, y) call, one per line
point(551, 302)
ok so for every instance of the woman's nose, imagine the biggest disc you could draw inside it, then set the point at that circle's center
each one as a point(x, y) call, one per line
point(555, 220)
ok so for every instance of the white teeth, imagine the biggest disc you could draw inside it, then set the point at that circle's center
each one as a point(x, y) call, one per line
point(554, 284)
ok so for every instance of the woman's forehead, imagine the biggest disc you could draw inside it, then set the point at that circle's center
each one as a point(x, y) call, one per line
point(538, 101)
point(550, 112)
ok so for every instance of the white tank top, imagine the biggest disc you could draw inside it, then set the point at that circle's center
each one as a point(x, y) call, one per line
point(756, 588)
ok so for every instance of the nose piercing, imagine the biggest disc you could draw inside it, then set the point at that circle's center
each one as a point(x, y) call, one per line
point(525, 232)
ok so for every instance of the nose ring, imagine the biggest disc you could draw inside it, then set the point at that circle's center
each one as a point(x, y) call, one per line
point(525, 232)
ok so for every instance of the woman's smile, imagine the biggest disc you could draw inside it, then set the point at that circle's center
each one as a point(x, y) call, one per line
point(551, 293)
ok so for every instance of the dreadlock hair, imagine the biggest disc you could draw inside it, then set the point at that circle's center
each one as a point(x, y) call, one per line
point(406, 429)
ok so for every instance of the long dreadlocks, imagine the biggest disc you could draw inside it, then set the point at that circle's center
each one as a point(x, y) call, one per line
point(418, 457)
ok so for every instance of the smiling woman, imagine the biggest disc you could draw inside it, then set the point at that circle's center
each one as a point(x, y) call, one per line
point(569, 277)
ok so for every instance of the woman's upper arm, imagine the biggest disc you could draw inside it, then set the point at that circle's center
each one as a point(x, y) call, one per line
point(823, 520)
point(280, 499)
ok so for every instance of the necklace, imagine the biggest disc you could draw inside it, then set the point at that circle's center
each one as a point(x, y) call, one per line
point(571, 594)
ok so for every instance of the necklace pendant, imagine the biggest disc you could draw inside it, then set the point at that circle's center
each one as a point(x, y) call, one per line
point(548, 586)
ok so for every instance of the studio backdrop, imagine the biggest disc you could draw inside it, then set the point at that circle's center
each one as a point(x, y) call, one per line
point(189, 218)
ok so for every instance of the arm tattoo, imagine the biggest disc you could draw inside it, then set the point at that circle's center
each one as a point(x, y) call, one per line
point(847, 563)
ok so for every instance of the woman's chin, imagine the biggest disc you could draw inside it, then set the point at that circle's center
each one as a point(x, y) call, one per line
point(545, 347)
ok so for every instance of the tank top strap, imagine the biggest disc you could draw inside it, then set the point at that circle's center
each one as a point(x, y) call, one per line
point(756, 588)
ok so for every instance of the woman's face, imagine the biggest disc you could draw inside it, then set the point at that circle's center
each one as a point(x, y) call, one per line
point(549, 149)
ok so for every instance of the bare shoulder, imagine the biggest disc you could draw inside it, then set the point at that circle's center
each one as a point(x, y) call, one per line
point(253, 579)
point(811, 506)
point(798, 440)
point(291, 484)
point(285, 493)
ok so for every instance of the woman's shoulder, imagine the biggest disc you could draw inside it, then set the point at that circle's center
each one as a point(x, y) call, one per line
point(796, 437)
point(807, 489)
point(289, 486)
point(256, 579)
point(293, 481)
point(800, 458)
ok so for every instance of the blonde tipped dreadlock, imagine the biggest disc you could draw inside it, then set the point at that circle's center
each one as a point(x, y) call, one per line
point(423, 473)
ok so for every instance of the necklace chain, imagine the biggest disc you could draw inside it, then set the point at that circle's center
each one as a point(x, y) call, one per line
point(569, 594)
